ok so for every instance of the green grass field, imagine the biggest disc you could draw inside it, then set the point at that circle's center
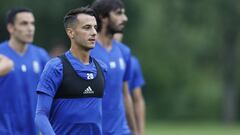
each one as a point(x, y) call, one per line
point(191, 129)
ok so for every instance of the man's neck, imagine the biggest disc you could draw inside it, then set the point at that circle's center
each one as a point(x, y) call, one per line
point(18, 46)
point(80, 54)
point(105, 39)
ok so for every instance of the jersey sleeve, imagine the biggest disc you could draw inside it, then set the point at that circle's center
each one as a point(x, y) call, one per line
point(137, 79)
point(51, 77)
point(42, 112)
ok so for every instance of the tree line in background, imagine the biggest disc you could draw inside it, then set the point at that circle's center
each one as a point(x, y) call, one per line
point(188, 50)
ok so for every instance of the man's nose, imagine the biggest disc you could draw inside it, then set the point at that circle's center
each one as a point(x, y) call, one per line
point(31, 27)
point(94, 32)
point(125, 18)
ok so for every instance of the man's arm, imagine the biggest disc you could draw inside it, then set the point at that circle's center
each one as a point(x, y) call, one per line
point(129, 108)
point(139, 109)
point(5, 65)
point(42, 114)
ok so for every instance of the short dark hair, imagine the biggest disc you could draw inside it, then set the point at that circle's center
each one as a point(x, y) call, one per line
point(11, 14)
point(71, 17)
point(104, 7)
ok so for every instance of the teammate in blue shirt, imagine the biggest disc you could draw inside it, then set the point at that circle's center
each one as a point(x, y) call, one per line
point(136, 83)
point(17, 87)
point(71, 87)
point(117, 56)
point(137, 79)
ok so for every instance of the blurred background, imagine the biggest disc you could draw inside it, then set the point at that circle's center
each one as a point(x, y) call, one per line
point(188, 50)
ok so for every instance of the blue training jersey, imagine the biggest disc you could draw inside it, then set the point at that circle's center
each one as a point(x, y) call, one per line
point(72, 116)
point(118, 62)
point(18, 97)
point(136, 79)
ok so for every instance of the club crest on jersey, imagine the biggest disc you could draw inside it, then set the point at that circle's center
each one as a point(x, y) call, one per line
point(112, 64)
point(36, 67)
point(24, 68)
point(121, 63)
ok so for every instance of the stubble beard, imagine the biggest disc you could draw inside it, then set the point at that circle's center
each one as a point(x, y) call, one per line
point(113, 30)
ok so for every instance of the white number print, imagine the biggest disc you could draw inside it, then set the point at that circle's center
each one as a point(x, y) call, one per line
point(89, 76)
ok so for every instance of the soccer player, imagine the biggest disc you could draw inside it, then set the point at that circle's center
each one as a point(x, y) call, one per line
point(71, 87)
point(112, 19)
point(18, 97)
point(5, 65)
point(135, 84)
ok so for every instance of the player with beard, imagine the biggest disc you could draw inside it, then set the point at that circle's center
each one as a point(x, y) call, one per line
point(117, 100)
point(136, 83)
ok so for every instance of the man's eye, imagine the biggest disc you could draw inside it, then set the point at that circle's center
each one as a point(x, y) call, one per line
point(23, 23)
point(86, 27)
point(119, 13)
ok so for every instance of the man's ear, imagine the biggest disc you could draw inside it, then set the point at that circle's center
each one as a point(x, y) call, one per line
point(10, 28)
point(70, 33)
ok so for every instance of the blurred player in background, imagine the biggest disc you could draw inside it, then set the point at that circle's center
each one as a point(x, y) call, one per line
point(117, 101)
point(17, 87)
point(135, 85)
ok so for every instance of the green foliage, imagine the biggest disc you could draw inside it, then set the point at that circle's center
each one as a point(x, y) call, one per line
point(180, 44)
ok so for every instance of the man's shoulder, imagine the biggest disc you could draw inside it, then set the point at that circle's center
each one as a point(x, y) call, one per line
point(96, 49)
point(39, 51)
point(36, 47)
point(102, 64)
point(125, 50)
point(54, 63)
point(122, 46)
point(5, 49)
point(134, 60)
point(135, 65)
point(3, 45)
